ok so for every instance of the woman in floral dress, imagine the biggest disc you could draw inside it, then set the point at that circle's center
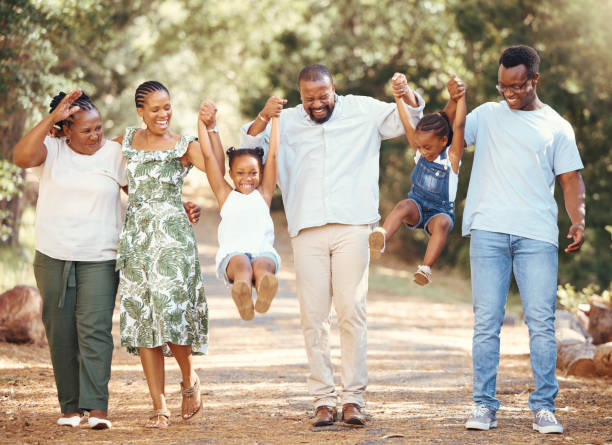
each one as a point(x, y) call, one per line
point(162, 301)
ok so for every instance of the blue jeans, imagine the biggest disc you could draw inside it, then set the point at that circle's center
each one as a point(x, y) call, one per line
point(493, 259)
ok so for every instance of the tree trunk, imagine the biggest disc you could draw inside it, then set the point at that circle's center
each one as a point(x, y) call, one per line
point(600, 322)
point(603, 359)
point(574, 352)
point(11, 131)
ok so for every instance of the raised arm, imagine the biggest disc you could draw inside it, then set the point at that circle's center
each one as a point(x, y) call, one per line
point(270, 173)
point(574, 194)
point(456, 89)
point(31, 151)
point(400, 84)
point(273, 107)
point(210, 120)
point(458, 143)
point(219, 185)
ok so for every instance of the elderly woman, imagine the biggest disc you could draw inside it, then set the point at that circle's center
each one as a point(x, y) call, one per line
point(78, 219)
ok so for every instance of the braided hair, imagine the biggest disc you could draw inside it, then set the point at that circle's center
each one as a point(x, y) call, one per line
point(257, 153)
point(146, 88)
point(83, 102)
point(438, 123)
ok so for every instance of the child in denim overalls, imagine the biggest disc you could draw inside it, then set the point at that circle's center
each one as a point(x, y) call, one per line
point(431, 200)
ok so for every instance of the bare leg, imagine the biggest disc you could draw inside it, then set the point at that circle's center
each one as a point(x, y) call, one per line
point(183, 356)
point(261, 266)
point(239, 270)
point(266, 283)
point(152, 361)
point(438, 227)
point(404, 211)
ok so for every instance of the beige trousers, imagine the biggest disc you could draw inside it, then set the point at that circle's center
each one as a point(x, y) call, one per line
point(331, 265)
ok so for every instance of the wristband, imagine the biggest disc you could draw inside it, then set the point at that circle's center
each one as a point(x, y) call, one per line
point(261, 117)
point(215, 129)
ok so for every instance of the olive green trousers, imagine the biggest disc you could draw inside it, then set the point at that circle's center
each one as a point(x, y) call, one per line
point(78, 303)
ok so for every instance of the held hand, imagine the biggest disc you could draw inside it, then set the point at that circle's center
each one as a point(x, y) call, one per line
point(576, 232)
point(399, 83)
point(193, 212)
point(65, 109)
point(456, 88)
point(273, 108)
point(208, 114)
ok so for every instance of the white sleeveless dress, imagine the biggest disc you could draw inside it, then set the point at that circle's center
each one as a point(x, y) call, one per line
point(246, 227)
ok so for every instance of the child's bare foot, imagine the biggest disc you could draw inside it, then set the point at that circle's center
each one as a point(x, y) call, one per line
point(241, 293)
point(268, 285)
point(376, 240)
point(423, 275)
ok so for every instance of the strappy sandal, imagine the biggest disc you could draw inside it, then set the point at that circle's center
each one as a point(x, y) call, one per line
point(189, 393)
point(160, 419)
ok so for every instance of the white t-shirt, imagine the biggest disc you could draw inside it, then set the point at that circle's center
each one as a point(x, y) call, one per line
point(246, 227)
point(78, 213)
point(453, 178)
point(518, 155)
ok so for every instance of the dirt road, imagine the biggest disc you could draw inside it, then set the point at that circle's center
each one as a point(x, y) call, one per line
point(254, 379)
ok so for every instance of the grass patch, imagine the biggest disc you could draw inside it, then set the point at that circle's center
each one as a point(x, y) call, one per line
point(16, 262)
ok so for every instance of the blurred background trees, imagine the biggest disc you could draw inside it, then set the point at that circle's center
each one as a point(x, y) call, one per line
point(238, 53)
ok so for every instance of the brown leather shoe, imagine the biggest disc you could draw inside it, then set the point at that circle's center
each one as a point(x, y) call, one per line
point(351, 414)
point(325, 416)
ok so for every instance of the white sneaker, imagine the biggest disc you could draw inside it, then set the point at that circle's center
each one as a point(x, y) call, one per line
point(99, 424)
point(423, 275)
point(73, 421)
point(376, 240)
point(545, 422)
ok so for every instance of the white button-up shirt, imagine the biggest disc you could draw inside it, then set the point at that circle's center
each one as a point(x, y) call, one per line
point(328, 173)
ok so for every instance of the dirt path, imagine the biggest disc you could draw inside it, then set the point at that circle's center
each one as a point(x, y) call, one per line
point(254, 379)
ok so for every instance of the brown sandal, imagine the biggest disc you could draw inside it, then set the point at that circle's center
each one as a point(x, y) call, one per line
point(160, 419)
point(188, 393)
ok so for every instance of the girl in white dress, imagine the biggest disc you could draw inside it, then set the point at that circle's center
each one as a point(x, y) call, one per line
point(246, 254)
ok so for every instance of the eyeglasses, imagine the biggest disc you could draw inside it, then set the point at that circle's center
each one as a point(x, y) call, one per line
point(502, 88)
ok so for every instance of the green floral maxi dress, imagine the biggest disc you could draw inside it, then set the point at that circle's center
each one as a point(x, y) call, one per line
point(161, 290)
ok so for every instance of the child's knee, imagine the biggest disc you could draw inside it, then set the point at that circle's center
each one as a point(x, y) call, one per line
point(406, 208)
point(441, 223)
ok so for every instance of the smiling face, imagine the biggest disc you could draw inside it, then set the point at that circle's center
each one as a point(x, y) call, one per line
point(429, 145)
point(245, 171)
point(85, 131)
point(517, 89)
point(318, 98)
point(156, 111)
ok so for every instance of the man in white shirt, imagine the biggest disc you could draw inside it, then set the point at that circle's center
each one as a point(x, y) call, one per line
point(328, 164)
point(522, 145)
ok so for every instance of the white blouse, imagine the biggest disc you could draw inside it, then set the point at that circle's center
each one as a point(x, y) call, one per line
point(78, 213)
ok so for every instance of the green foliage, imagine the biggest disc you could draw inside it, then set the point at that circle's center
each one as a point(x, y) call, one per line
point(238, 55)
point(570, 298)
point(11, 187)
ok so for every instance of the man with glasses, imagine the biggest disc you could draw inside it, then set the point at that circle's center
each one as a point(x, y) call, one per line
point(521, 146)
point(328, 163)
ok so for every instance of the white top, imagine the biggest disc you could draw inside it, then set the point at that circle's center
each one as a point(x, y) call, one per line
point(328, 173)
point(453, 178)
point(78, 213)
point(518, 155)
point(246, 227)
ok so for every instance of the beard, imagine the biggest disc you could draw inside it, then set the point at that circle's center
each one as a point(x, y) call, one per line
point(320, 120)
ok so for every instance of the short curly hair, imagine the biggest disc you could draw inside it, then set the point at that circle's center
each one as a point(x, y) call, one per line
point(521, 55)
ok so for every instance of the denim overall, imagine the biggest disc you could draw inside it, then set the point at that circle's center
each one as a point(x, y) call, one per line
point(430, 191)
